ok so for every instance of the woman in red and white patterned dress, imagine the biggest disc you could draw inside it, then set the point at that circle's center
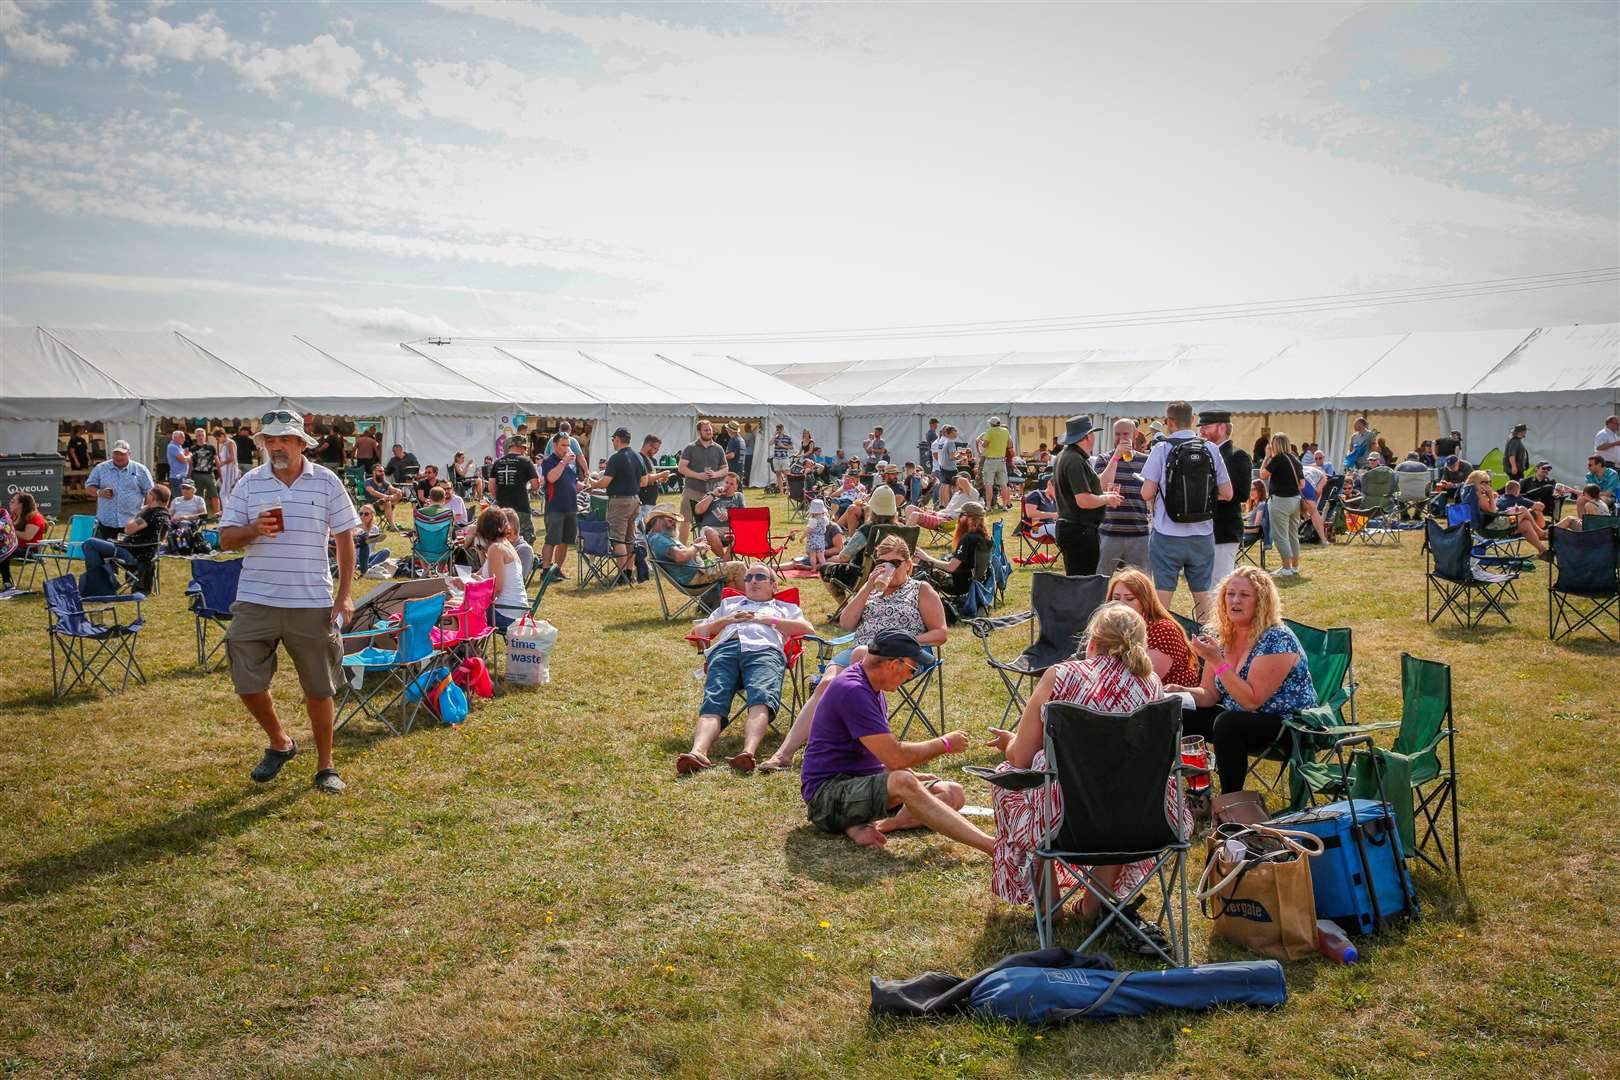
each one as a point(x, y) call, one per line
point(1116, 676)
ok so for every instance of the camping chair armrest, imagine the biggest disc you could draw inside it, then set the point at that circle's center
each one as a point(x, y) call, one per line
point(1293, 722)
point(831, 644)
point(984, 627)
point(1011, 779)
point(104, 611)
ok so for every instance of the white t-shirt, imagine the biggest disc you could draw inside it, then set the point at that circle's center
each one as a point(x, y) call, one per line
point(458, 509)
point(1154, 471)
point(290, 569)
point(944, 454)
point(184, 507)
point(1604, 435)
point(758, 633)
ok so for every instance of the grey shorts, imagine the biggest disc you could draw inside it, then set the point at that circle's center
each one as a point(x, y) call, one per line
point(621, 520)
point(562, 527)
point(306, 633)
point(994, 471)
point(845, 801)
point(1171, 555)
point(687, 510)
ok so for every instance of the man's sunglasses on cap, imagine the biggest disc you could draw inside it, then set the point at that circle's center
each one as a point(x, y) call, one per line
point(281, 417)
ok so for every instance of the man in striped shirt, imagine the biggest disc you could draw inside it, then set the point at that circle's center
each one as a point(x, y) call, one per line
point(282, 514)
point(1124, 535)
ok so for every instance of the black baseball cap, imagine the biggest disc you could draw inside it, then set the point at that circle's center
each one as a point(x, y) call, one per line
point(897, 645)
point(622, 433)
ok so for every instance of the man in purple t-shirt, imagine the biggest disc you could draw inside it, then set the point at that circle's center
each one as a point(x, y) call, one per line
point(855, 771)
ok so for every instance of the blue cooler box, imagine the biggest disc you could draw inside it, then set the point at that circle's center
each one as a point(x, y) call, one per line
point(1337, 874)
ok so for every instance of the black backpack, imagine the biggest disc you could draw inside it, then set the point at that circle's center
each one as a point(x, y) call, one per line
point(1189, 481)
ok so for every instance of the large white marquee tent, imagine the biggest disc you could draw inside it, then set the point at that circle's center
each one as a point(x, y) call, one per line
point(441, 397)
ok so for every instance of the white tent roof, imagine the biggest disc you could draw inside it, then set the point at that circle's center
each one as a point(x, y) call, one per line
point(1428, 370)
point(41, 378)
point(1098, 379)
point(1556, 364)
point(510, 379)
point(168, 373)
point(307, 378)
point(1306, 376)
point(428, 386)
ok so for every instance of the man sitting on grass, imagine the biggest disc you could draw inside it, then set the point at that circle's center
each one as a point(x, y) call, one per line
point(856, 772)
point(747, 635)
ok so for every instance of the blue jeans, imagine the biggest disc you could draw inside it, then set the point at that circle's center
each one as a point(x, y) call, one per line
point(97, 579)
point(757, 674)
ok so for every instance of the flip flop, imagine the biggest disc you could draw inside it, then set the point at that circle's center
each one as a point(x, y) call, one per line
point(770, 766)
point(743, 762)
point(691, 763)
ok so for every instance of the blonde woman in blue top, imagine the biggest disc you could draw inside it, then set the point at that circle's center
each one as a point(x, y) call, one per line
point(1254, 674)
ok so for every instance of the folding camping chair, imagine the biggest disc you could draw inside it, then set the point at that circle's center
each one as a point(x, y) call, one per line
point(1369, 518)
point(69, 549)
point(1595, 522)
point(798, 501)
point(703, 598)
point(981, 594)
point(1585, 585)
point(1413, 491)
point(1410, 774)
point(472, 633)
point(1000, 567)
point(87, 641)
point(1452, 577)
point(793, 688)
point(751, 536)
point(1493, 548)
point(594, 561)
point(395, 668)
point(430, 548)
point(1033, 550)
point(912, 708)
point(1059, 608)
point(212, 591)
point(1112, 772)
point(1258, 538)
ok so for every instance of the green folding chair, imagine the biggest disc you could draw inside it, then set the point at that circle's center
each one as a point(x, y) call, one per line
point(1330, 656)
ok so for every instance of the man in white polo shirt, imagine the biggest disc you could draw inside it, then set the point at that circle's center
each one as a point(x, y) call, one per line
point(282, 514)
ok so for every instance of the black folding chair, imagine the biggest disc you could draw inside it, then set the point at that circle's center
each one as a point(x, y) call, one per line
point(1112, 772)
point(594, 560)
point(798, 503)
point(1585, 585)
point(212, 591)
point(1059, 608)
point(914, 694)
point(88, 641)
point(1452, 577)
point(686, 598)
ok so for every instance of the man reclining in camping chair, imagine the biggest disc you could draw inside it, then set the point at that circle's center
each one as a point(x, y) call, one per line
point(690, 567)
point(746, 655)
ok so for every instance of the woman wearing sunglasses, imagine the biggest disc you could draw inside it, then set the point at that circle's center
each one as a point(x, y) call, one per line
point(889, 599)
point(747, 636)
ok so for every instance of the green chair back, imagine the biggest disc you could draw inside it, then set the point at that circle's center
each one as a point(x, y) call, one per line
point(1492, 463)
point(1329, 654)
point(1425, 711)
point(1378, 487)
point(1594, 522)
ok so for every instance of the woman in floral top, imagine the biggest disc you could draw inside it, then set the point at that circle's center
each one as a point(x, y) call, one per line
point(1115, 676)
point(1254, 675)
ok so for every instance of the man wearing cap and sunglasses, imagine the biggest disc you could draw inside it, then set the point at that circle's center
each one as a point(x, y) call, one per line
point(281, 514)
point(857, 778)
point(120, 485)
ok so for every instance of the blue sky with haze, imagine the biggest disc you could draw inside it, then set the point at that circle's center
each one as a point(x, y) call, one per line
point(362, 174)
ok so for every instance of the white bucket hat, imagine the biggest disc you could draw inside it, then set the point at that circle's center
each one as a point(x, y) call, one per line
point(282, 422)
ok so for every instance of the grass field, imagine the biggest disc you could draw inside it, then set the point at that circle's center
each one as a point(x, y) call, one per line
point(536, 893)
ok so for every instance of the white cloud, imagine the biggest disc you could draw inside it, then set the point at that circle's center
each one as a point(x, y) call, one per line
point(143, 283)
point(101, 12)
point(323, 65)
point(187, 41)
point(40, 48)
point(389, 320)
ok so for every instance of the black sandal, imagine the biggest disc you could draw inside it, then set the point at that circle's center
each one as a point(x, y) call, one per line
point(269, 765)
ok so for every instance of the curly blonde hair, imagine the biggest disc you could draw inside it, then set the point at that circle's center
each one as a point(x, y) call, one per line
point(1267, 605)
point(1116, 630)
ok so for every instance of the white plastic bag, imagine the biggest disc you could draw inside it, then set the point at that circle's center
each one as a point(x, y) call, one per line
point(383, 571)
point(528, 651)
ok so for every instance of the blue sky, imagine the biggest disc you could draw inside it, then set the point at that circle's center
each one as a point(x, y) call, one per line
point(362, 174)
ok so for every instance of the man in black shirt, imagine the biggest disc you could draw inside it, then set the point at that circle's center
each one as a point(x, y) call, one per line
point(204, 473)
point(1080, 498)
point(78, 449)
point(246, 451)
point(514, 476)
point(1215, 425)
point(622, 478)
point(402, 467)
point(1515, 458)
point(136, 549)
point(652, 477)
point(1539, 487)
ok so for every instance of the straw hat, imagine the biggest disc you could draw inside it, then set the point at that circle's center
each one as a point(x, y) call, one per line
point(662, 511)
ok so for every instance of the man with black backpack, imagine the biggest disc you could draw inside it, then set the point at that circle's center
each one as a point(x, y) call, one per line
point(1185, 476)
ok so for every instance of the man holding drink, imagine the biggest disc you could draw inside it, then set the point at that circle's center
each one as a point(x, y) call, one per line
point(282, 514)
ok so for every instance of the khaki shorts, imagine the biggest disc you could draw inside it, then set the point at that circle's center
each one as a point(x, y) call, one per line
point(307, 635)
point(688, 510)
point(621, 522)
point(844, 801)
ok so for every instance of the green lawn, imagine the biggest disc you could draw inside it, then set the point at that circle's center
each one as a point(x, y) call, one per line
point(537, 893)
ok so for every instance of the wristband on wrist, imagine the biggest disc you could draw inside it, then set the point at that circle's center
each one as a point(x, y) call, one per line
point(1223, 669)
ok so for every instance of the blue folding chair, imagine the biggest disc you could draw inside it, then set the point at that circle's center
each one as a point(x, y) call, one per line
point(594, 561)
point(81, 527)
point(1000, 565)
point(430, 548)
point(212, 591)
point(394, 669)
point(86, 642)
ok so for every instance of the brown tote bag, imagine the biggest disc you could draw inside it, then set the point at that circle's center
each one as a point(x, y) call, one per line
point(1265, 901)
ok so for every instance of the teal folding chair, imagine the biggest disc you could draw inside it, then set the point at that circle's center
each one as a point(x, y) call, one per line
point(379, 676)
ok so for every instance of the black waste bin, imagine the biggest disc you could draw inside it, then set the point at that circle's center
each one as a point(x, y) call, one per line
point(38, 474)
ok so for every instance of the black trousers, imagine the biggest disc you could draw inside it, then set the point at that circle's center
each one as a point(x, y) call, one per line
point(1234, 735)
point(1079, 542)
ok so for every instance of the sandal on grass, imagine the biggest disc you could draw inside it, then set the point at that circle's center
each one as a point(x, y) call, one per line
point(328, 781)
point(272, 761)
point(1134, 942)
point(690, 763)
point(743, 762)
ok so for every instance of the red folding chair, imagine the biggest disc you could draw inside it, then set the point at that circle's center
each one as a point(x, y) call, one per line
point(1030, 546)
point(751, 536)
point(793, 650)
point(472, 630)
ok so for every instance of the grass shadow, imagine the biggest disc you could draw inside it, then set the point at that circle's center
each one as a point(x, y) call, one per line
point(835, 860)
point(648, 622)
point(186, 833)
